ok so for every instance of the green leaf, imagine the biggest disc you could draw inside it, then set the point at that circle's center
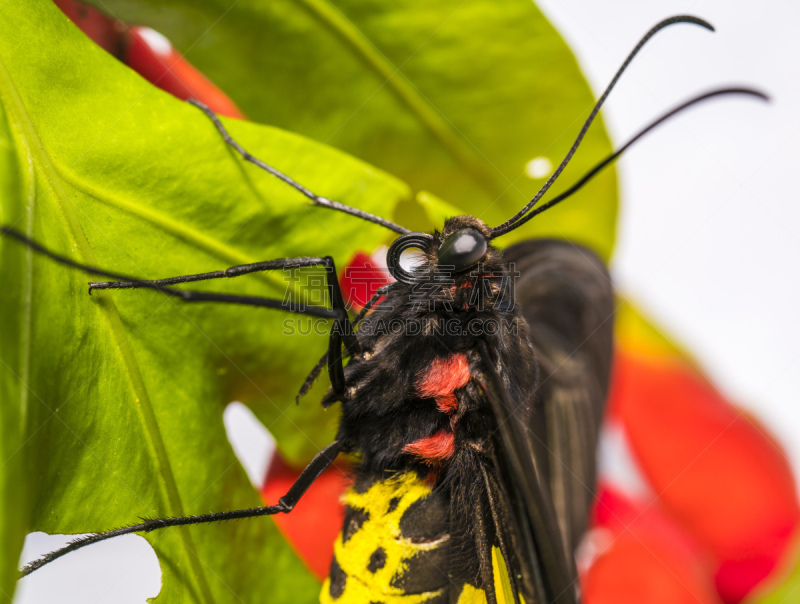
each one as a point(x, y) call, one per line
point(112, 403)
point(453, 97)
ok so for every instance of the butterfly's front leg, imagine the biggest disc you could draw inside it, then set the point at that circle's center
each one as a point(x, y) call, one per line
point(341, 330)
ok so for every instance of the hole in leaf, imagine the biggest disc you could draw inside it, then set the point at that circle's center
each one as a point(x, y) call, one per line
point(251, 441)
point(123, 570)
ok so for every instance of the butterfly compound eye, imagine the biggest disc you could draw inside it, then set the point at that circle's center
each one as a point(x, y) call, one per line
point(463, 249)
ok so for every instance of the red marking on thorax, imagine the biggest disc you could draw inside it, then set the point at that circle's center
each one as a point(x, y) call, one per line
point(447, 403)
point(439, 381)
point(443, 376)
point(433, 449)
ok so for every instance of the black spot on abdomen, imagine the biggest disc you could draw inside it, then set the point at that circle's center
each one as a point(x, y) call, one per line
point(338, 579)
point(353, 521)
point(377, 560)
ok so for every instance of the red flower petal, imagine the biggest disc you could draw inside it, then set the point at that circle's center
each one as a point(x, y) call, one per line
point(104, 31)
point(646, 557)
point(153, 57)
point(712, 466)
point(361, 279)
point(150, 55)
point(620, 514)
point(635, 570)
point(316, 520)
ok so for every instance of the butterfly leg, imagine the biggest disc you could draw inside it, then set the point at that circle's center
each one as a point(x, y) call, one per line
point(341, 329)
point(314, 373)
point(309, 475)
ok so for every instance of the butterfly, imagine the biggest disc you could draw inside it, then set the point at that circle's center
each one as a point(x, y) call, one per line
point(515, 514)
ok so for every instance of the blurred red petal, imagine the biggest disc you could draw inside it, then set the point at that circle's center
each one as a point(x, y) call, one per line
point(108, 33)
point(361, 279)
point(646, 557)
point(316, 520)
point(620, 513)
point(637, 570)
point(712, 466)
point(152, 56)
point(149, 54)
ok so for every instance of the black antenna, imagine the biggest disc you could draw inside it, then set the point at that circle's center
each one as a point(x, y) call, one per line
point(507, 226)
point(599, 166)
point(316, 199)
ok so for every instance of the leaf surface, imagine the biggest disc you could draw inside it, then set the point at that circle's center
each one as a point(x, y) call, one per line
point(453, 97)
point(112, 403)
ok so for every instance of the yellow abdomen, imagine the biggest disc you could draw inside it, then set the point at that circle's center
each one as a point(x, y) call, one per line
point(393, 549)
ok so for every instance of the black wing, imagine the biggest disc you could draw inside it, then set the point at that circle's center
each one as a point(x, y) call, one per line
point(546, 470)
point(564, 292)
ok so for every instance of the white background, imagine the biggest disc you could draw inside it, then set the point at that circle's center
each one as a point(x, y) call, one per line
point(709, 230)
point(709, 237)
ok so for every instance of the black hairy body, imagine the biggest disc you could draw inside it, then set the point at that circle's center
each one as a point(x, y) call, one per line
point(445, 315)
